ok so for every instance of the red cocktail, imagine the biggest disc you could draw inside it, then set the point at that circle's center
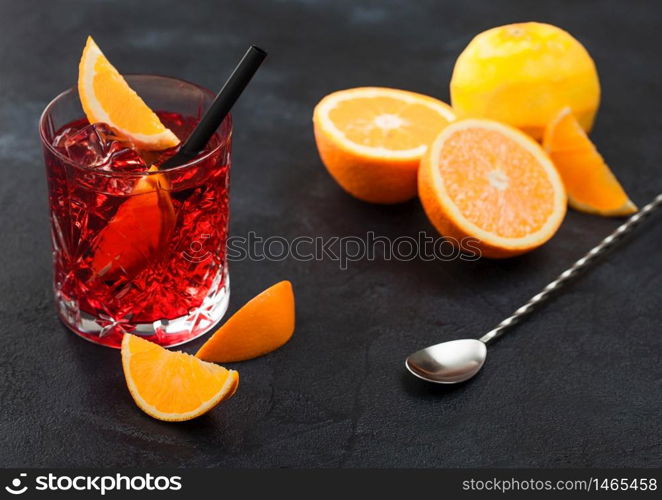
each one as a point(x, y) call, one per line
point(137, 249)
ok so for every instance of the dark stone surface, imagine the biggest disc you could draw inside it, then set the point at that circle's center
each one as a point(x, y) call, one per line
point(577, 385)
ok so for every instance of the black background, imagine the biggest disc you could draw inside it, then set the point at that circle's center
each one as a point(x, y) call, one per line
point(577, 385)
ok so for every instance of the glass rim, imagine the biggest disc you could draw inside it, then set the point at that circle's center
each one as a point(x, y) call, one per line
point(227, 123)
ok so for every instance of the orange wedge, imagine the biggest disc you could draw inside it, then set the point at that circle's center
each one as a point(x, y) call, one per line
point(173, 386)
point(107, 98)
point(371, 139)
point(262, 325)
point(591, 185)
point(137, 232)
point(491, 189)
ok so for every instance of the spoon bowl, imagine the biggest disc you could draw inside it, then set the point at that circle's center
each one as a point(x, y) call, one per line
point(449, 362)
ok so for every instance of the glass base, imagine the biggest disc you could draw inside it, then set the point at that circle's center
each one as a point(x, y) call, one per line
point(165, 332)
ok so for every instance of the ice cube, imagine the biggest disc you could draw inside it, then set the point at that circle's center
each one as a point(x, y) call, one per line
point(86, 146)
point(97, 145)
point(123, 158)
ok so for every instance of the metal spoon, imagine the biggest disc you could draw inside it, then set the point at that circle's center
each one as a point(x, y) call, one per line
point(459, 360)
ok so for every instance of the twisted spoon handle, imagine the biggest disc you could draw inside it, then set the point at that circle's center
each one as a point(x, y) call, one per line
point(572, 271)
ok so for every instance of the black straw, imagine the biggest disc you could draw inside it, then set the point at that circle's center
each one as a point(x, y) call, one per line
point(219, 109)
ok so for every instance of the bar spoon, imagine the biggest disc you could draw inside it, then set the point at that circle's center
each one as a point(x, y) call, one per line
point(459, 360)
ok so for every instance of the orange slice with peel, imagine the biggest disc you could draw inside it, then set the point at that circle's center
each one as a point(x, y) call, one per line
point(107, 98)
point(173, 386)
point(591, 185)
point(263, 324)
point(371, 139)
point(491, 189)
point(138, 231)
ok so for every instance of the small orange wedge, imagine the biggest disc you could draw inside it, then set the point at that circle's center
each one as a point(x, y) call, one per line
point(137, 232)
point(107, 98)
point(491, 189)
point(371, 139)
point(173, 386)
point(590, 184)
point(262, 325)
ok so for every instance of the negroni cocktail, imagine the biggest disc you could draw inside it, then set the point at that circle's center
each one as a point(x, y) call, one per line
point(137, 248)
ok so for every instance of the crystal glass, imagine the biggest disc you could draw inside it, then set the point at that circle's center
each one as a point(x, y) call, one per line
point(137, 251)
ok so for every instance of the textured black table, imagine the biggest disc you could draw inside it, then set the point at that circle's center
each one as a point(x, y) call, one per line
point(578, 385)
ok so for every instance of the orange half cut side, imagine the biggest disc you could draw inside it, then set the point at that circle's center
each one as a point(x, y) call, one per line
point(371, 139)
point(491, 189)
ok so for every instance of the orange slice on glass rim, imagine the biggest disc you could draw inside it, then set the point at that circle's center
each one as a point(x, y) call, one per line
point(107, 98)
point(170, 385)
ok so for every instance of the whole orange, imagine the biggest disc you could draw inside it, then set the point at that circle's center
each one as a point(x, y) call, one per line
point(523, 74)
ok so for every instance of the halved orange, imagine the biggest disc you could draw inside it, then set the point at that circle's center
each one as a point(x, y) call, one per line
point(173, 386)
point(263, 324)
point(591, 185)
point(371, 139)
point(491, 189)
point(107, 98)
